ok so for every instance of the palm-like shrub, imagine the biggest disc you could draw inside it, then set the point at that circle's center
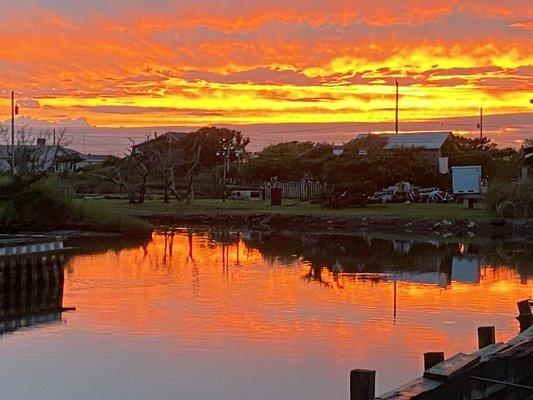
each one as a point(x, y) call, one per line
point(511, 199)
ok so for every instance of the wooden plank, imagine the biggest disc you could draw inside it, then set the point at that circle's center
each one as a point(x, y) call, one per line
point(452, 366)
point(411, 389)
point(488, 351)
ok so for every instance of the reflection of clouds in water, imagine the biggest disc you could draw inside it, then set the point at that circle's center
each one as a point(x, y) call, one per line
point(244, 305)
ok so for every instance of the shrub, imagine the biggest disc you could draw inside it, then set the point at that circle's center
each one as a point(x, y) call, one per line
point(511, 200)
point(92, 218)
point(355, 194)
point(40, 203)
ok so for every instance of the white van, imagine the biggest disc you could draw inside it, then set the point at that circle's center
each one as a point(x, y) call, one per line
point(251, 195)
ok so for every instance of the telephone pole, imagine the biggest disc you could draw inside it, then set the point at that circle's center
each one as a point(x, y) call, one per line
point(397, 104)
point(12, 133)
point(480, 125)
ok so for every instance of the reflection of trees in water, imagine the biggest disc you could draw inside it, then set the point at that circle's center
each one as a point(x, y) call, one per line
point(519, 256)
point(31, 291)
point(363, 255)
point(355, 254)
point(102, 244)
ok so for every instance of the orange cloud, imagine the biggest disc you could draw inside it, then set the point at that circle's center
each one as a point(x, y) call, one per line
point(297, 62)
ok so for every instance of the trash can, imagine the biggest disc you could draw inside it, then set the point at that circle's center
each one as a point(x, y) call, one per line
point(275, 196)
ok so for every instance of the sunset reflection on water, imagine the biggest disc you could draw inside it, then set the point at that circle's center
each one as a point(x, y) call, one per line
point(247, 316)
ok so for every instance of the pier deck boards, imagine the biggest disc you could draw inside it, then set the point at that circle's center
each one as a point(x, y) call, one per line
point(452, 366)
point(510, 362)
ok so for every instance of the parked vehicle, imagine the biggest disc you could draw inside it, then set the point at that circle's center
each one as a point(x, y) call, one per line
point(250, 195)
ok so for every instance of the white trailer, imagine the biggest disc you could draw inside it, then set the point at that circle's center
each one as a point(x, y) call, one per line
point(466, 184)
point(466, 180)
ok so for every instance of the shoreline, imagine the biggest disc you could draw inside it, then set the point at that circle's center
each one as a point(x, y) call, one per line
point(431, 228)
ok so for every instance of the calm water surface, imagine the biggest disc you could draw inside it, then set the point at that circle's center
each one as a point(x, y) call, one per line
point(224, 315)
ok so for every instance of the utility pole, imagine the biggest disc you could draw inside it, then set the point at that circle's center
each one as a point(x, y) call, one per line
point(226, 156)
point(224, 153)
point(397, 104)
point(230, 147)
point(14, 110)
point(480, 125)
point(12, 134)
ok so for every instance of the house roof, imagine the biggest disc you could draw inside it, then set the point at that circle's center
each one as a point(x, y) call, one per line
point(45, 149)
point(43, 156)
point(165, 136)
point(424, 140)
point(97, 157)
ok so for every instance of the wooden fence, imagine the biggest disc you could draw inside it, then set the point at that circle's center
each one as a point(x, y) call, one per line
point(303, 190)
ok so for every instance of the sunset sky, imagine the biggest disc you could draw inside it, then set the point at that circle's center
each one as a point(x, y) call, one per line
point(162, 62)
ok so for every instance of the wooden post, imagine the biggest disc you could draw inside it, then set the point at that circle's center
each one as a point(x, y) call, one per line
point(525, 316)
point(362, 384)
point(468, 203)
point(433, 358)
point(486, 336)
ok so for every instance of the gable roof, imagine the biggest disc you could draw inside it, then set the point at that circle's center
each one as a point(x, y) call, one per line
point(168, 136)
point(96, 157)
point(44, 155)
point(425, 140)
point(5, 150)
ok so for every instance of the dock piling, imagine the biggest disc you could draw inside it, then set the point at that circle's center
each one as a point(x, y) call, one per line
point(525, 316)
point(362, 384)
point(486, 336)
point(432, 358)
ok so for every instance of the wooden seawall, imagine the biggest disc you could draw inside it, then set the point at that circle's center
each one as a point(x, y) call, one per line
point(31, 282)
point(498, 371)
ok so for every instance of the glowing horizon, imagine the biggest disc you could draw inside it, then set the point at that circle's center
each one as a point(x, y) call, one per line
point(199, 63)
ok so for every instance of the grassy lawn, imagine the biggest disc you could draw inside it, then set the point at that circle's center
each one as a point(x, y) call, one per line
point(210, 206)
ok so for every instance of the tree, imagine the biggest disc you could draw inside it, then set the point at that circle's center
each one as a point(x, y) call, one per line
point(204, 150)
point(285, 161)
point(496, 163)
point(165, 154)
point(131, 174)
point(32, 154)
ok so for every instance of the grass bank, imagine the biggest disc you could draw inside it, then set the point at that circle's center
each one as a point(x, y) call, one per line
point(430, 221)
point(40, 203)
point(211, 206)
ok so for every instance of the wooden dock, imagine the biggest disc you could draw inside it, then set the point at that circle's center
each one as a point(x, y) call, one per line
point(497, 371)
point(31, 281)
point(16, 245)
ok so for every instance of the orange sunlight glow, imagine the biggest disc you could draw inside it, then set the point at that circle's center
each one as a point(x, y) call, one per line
point(173, 64)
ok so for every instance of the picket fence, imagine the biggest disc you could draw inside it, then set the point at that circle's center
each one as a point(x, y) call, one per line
point(302, 190)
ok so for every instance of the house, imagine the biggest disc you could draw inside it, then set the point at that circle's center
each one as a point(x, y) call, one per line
point(92, 159)
point(39, 157)
point(432, 143)
point(338, 150)
point(167, 137)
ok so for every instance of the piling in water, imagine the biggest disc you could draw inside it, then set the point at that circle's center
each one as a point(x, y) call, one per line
point(432, 358)
point(486, 336)
point(362, 384)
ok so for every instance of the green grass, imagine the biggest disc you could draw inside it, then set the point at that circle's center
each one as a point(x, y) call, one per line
point(101, 219)
point(42, 204)
point(212, 206)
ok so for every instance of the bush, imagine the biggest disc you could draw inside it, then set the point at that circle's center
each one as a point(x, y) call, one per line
point(511, 200)
point(354, 194)
point(97, 219)
point(40, 203)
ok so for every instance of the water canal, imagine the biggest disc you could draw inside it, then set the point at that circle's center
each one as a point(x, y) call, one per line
point(242, 315)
